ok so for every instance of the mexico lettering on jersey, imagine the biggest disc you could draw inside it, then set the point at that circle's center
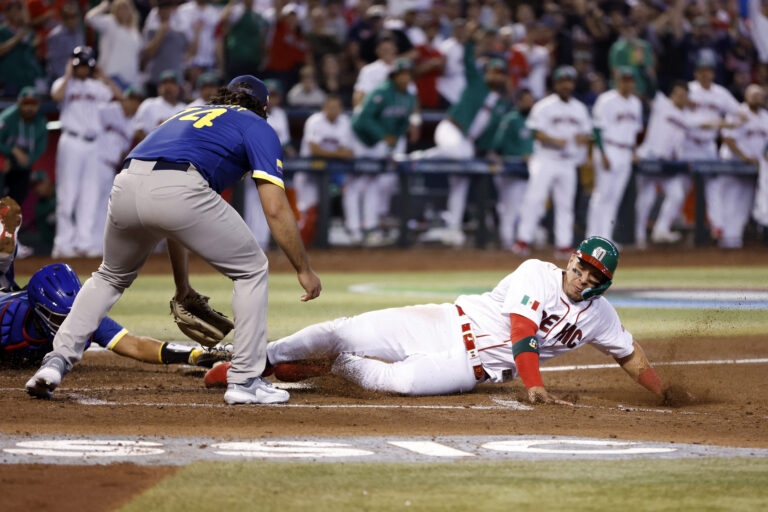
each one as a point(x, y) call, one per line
point(535, 291)
point(223, 142)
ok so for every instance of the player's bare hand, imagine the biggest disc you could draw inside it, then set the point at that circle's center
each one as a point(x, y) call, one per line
point(311, 284)
point(539, 395)
point(582, 139)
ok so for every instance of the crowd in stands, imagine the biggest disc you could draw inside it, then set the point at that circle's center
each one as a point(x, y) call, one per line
point(156, 57)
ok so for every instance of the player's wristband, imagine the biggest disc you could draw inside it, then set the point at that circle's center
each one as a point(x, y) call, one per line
point(526, 354)
point(651, 381)
point(415, 119)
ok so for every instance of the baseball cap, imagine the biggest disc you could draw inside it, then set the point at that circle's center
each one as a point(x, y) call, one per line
point(564, 73)
point(83, 56)
point(38, 175)
point(376, 11)
point(169, 74)
point(706, 59)
point(401, 64)
point(132, 92)
point(625, 72)
point(28, 93)
point(208, 78)
point(273, 86)
point(250, 85)
point(496, 63)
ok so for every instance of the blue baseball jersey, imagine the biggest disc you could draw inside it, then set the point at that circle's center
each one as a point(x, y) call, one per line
point(22, 339)
point(223, 142)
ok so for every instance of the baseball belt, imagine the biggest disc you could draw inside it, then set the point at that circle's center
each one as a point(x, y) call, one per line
point(86, 138)
point(618, 144)
point(469, 344)
point(158, 165)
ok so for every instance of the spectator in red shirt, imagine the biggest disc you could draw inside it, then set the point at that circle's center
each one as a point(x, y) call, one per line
point(428, 66)
point(288, 50)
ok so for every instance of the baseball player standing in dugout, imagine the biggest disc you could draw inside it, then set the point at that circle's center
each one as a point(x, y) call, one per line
point(169, 188)
point(537, 312)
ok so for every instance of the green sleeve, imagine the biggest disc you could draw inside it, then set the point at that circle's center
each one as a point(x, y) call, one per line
point(597, 136)
point(367, 123)
point(41, 140)
point(471, 72)
point(7, 119)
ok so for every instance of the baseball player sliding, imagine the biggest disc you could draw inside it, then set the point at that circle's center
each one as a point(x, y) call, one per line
point(537, 312)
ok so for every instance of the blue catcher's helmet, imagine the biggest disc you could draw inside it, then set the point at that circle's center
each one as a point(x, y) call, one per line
point(51, 293)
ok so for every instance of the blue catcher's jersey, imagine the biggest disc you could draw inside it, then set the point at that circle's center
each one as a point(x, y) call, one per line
point(222, 141)
point(22, 340)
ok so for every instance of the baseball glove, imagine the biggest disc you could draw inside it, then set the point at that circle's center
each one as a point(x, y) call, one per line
point(200, 321)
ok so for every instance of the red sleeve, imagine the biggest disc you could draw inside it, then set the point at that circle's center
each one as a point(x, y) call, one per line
point(521, 327)
point(527, 362)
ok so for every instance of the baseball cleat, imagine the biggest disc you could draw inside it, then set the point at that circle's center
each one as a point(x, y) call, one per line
point(46, 379)
point(255, 391)
point(216, 377)
point(212, 355)
point(10, 218)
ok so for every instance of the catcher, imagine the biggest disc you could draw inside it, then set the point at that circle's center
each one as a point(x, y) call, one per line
point(30, 317)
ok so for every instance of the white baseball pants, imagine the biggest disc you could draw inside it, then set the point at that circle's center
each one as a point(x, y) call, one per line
point(412, 350)
point(549, 178)
point(610, 185)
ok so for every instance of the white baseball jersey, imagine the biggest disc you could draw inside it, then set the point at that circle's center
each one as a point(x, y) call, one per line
point(535, 290)
point(710, 105)
point(116, 134)
point(620, 119)
point(155, 111)
point(326, 134)
point(563, 120)
point(666, 131)
point(751, 136)
point(79, 108)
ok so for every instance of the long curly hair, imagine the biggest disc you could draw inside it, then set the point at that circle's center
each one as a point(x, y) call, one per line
point(226, 97)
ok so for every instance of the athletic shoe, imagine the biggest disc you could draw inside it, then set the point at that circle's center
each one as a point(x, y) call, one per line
point(216, 377)
point(521, 249)
point(255, 391)
point(10, 218)
point(212, 355)
point(665, 237)
point(295, 372)
point(47, 379)
point(563, 253)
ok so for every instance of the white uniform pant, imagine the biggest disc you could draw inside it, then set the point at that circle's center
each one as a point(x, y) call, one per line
point(253, 214)
point(78, 196)
point(737, 196)
point(366, 197)
point(307, 187)
point(675, 189)
point(610, 185)
point(106, 177)
point(549, 178)
point(418, 350)
point(510, 191)
point(760, 211)
point(147, 206)
point(450, 142)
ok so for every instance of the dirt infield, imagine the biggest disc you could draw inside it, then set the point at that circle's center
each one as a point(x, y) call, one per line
point(729, 409)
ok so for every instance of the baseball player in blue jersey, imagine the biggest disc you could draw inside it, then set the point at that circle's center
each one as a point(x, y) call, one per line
point(169, 189)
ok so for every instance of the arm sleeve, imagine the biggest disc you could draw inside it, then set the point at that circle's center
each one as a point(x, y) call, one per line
point(108, 333)
point(41, 141)
point(366, 121)
point(265, 153)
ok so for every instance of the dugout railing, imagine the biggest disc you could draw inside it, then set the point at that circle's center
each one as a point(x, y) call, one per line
point(481, 173)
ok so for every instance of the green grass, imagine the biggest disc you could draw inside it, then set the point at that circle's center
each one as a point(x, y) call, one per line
point(643, 484)
point(144, 307)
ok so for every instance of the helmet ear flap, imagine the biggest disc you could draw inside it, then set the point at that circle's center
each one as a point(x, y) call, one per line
point(591, 293)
